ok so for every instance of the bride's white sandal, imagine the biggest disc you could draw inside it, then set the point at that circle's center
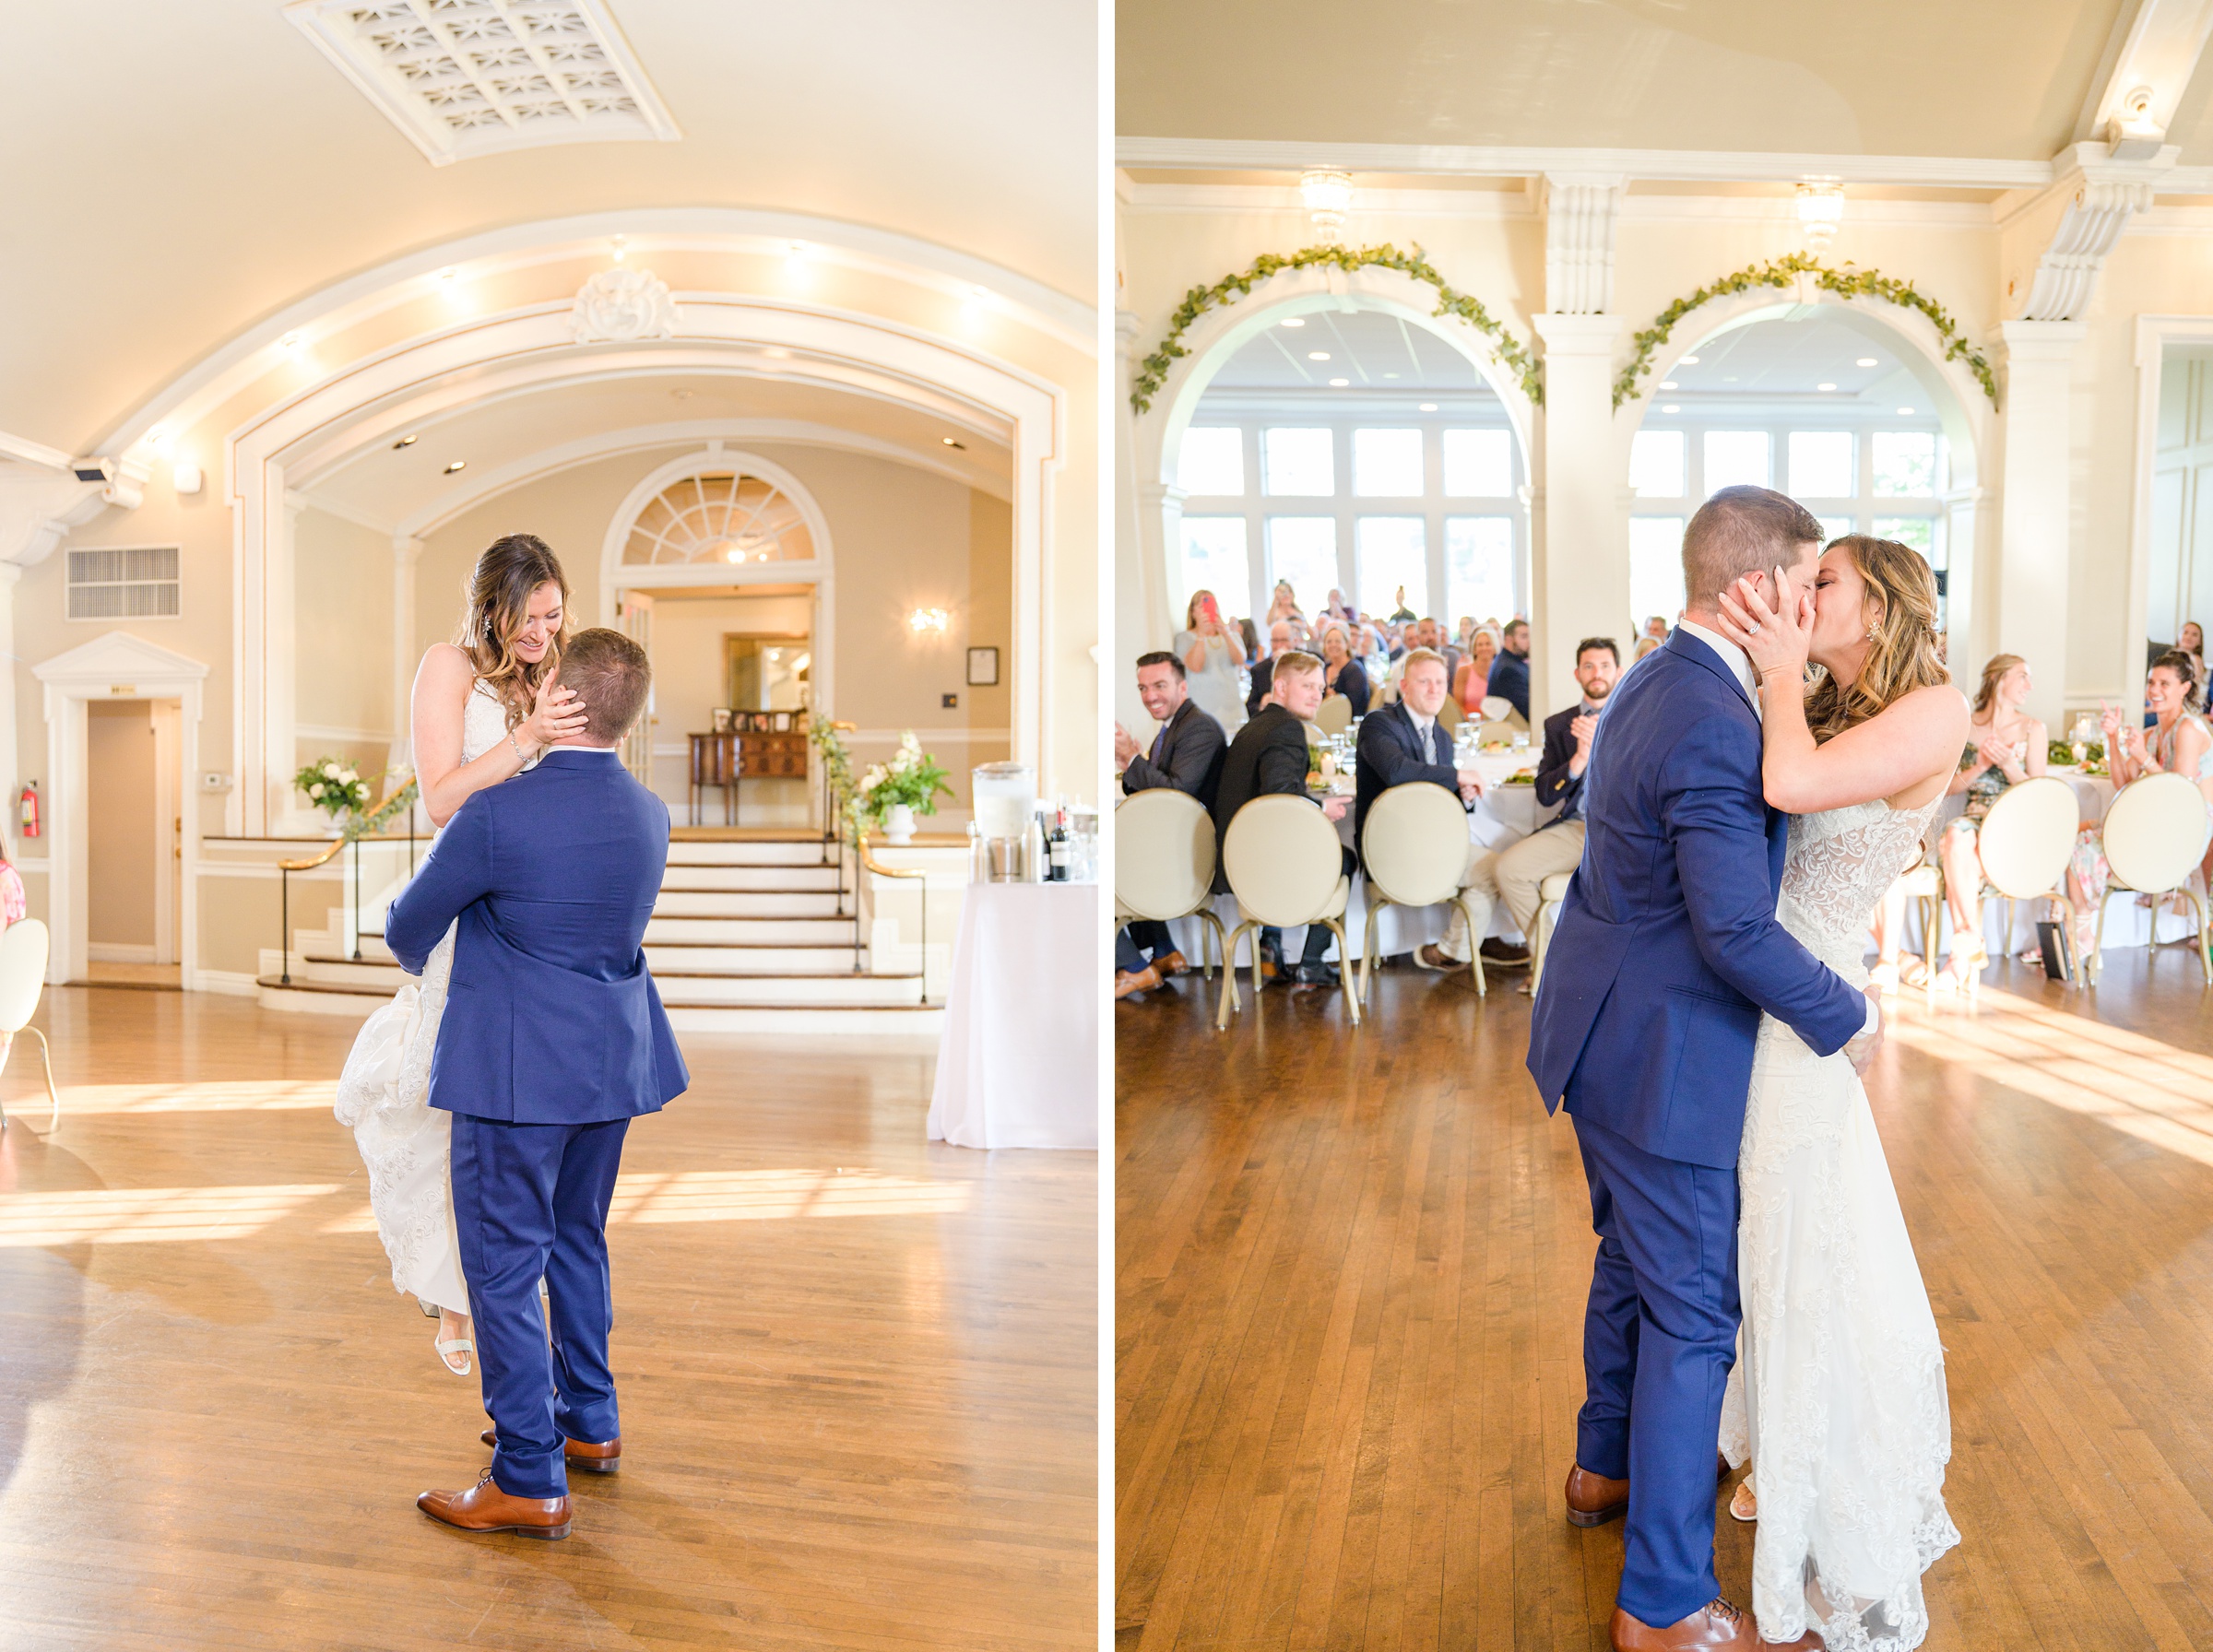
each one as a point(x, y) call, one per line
point(1743, 1506)
point(449, 1346)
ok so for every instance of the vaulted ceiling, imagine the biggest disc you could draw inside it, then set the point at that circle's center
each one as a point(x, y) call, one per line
point(180, 172)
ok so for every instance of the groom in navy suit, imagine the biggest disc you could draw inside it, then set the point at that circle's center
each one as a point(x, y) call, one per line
point(1666, 953)
point(552, 1040)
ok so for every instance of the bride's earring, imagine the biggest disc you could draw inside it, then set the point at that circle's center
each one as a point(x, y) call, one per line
point(1873, 630)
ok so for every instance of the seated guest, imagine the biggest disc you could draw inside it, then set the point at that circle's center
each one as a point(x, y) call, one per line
point(1471, 682)
point(1187, 755)
point(1282, 637)
point(1510, 675)
point(1518, 871)
point(1422, 634)
point(1342, 673)
point(1655, 630)
point(1268, 757)
point(1644, 645)
point(2006, 746)
point(1405, 743)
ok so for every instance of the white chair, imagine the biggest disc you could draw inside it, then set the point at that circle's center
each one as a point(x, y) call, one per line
point(1286, 866)
point(1498, 708)
point(1335, 715)
point(22, 979)
point(2155, 836)
point(2025, 843)
point(1164, 865)
point(1416, 848)
point(1550, 894)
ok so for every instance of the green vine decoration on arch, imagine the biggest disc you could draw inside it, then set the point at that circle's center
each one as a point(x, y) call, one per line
point(1154, 371)
point(1848, 282)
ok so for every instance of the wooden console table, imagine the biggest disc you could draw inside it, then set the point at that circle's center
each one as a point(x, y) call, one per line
point(724, 759)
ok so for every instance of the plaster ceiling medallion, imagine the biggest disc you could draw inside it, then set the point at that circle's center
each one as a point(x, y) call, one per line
point(465, 77)
point(618, 305)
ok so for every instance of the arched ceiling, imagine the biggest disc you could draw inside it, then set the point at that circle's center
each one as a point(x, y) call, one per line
point(506, 442)
point(2000, 79)
point(184, 170)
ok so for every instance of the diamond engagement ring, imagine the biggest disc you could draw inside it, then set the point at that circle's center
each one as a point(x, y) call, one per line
point(1752, 629)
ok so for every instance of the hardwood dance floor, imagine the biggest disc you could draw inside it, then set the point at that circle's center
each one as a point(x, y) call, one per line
point(858, 1371)
point(1350, 1289)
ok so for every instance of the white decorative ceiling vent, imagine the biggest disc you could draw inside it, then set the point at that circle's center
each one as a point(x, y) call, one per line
point(464, 77)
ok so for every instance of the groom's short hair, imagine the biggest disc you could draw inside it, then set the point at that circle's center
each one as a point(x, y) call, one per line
point(1741, 531)
point(610, 674)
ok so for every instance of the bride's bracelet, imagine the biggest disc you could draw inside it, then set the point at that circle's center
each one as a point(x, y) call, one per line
point(519, 751)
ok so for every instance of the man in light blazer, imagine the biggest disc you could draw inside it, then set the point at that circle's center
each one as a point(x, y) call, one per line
point(1186, 755)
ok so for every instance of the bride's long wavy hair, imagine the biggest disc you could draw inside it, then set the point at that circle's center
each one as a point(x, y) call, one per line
point(496, 605)
point(1903, 653)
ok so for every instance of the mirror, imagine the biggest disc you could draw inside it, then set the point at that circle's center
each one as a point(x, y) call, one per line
point(767, 671)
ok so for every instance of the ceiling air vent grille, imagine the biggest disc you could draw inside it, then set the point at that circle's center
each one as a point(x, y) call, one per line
point(464, 77)
point(125, 582)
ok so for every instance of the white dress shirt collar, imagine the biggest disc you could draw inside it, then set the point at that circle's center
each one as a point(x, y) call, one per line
point(1732, 656)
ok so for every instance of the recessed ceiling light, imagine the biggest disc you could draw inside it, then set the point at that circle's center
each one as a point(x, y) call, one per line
point(1339, 384)
point(1317, 355)
point(949, 442)
point(1293, 321)
point(1905, 412)
point(1390, 375)
point(405, 442)
point(1728, 378)
point(448, 273)
point(1670, 408)
point(1824, 386)
point(1866, 362)
point(456, 465)
point(1687, 361)
point(291, 341)
point(1668, 384)
point(1428, 406)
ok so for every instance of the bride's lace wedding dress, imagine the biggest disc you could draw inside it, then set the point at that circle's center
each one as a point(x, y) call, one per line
point(1839, 1397)
point(383, 1097)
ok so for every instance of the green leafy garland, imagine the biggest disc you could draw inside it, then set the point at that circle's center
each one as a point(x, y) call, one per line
point(1199, 300)
point(838, 767)
point(1848, 282)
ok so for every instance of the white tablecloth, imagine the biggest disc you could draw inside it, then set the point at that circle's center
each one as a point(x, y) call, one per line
point(1019, 1064)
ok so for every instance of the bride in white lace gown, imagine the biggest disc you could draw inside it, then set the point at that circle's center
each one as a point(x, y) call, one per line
point(1838, 1399)
point(470, 732)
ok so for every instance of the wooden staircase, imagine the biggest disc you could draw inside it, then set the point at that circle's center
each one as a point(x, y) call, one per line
point(752, 932)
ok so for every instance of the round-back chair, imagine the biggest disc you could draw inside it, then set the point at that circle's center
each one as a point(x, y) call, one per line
point(1450, 713)
point(1550, 894)
point(1415, 847)
point(1163, 862)
point(22, 979)
point(2155, 836)
point(1285, 866)
point(2025, 843)
point(1335, 715)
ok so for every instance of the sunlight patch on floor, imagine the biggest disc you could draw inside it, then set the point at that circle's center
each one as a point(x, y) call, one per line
point(2135, 1084)
point(230, 1096)
point(650, 1196)
point(147, 1215)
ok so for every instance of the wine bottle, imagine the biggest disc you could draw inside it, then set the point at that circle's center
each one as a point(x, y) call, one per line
point(1058, 848)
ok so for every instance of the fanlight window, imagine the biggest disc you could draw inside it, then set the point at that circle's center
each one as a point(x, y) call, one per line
point(719, 517)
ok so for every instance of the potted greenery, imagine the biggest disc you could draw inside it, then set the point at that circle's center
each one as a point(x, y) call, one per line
point(892, 794)
point(335, 786)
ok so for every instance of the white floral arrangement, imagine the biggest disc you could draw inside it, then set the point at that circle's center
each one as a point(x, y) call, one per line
point(912, 777)
point(333, 785)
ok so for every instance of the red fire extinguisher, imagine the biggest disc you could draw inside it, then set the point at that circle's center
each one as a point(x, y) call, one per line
point(30, 809)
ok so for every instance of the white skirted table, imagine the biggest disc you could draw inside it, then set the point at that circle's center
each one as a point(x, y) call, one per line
point(1019, 1062)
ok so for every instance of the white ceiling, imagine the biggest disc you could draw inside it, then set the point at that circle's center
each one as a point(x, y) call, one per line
point(391, 485)
point(180, 170)
point(1784, 362)
point(1366, 349)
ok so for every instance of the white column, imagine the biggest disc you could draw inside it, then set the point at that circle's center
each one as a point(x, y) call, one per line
point(406, 553)
point(1160, 507)
point(280, 703)
point(2027, 601)
point(1580, 561)
point(11, 776)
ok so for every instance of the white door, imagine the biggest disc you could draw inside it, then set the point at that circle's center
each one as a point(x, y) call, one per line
point(168, 829)
point(636, 610)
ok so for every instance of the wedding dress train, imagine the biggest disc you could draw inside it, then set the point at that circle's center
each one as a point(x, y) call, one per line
point(1837, 1397)
point(383, 1097)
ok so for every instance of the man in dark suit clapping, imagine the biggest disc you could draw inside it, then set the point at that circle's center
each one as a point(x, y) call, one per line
point(1187, 755)
point(1269, 756)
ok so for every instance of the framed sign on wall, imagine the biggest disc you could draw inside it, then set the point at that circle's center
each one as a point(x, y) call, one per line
point(983, 667)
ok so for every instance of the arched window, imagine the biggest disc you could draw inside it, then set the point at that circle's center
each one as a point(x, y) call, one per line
point(719, 516)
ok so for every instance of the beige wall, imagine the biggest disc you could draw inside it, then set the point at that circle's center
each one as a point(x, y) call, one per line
point(342, 598)
point(688, 684)
point(120, 749)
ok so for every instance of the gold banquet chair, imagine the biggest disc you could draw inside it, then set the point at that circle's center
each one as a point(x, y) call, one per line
point(2025, 841)
point(2155, 836)
point(1335, 715)
point(1550, 894)
point(1416, 848)
point(1284, 861)
point(1164, 865)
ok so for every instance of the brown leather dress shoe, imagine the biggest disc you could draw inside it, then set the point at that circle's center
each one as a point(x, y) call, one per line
point(1592, 1499)
point(1127, 982)
point(604, 1456)
point(484, 1507)
point(1171, 965)
point(1715, 1625)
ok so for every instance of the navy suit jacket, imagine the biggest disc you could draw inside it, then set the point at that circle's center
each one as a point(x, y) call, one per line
point(1668, 946)
point(1190, 758)
point(1509, 681)
point(551, 1018)
point(1390, 754)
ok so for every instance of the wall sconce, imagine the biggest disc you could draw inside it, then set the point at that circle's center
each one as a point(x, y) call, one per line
point(929, 623)
point(1328, 194)
point(1821, 211)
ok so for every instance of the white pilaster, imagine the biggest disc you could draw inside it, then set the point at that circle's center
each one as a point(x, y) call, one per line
point(2028, 603)
point(281, 709)
point(405, 553)
point(1579, 210)
point(1580, 558)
